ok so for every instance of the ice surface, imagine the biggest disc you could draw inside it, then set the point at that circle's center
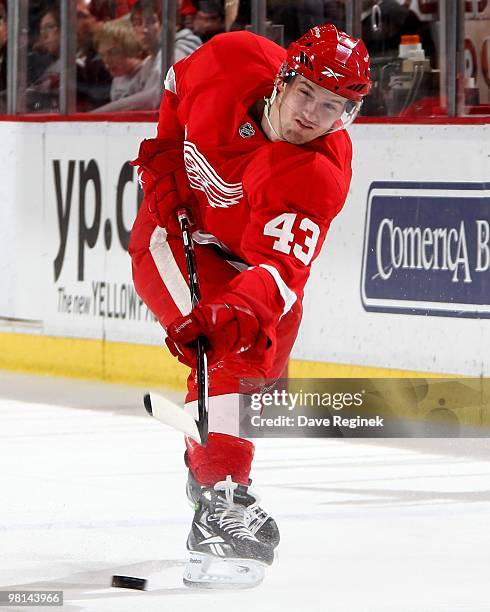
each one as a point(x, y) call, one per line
point(91, 486)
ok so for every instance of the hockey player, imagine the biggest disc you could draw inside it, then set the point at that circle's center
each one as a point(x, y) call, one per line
point(251, 139)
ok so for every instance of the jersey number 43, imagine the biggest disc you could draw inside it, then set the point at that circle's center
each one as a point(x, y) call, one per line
point(281, 227)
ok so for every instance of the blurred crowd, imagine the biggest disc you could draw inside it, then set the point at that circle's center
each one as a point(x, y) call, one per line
point(118, 58)
point(3, 49)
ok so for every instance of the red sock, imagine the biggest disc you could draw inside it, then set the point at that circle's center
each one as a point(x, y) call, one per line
point(223, 456)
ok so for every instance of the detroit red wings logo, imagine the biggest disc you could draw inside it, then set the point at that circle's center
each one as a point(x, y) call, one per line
point(203, 177)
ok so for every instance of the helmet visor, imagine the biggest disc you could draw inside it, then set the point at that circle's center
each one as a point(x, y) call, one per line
point(349, 113)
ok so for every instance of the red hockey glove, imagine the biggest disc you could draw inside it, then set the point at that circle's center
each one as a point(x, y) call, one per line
point(227, 329)
point(163, 178)
point(170, 193)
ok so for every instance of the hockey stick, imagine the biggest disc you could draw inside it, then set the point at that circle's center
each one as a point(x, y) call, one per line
point(160, 407)
point(169, 413)
point(202, 361)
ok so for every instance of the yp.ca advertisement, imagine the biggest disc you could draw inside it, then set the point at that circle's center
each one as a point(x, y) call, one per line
point(365, 408)
point(427, 249)
point(92, 198)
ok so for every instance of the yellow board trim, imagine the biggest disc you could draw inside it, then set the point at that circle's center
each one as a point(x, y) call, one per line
point(317, 369)
point(139, 364)
point(120, 362)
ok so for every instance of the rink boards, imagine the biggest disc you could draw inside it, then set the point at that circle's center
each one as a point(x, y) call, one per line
point(403, 279)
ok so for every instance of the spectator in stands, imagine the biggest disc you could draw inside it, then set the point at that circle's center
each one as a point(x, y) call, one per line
point(296, 16)
point(334, 12)
point(209, 19)
point(3, 54)
point(49, 32)
point(37, 8)
point(43, 93)
point(122, 54)
point(107, 10)
point(146, 18)
point(37, 58)
point(185, 40)
point(93, 79)
point(188, 10)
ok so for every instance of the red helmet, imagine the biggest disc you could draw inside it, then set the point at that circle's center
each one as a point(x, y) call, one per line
point(332, 59)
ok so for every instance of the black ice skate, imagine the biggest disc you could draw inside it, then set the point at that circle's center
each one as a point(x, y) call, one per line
point(262, 525)
point(224, 552)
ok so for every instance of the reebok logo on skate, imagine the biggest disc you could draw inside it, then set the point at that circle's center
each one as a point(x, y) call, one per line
point(209, 537)
point(213, 540)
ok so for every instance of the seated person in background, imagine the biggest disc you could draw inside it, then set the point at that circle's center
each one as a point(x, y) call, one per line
point(3, 55)
point(37, 57)
point(185, 40)
point(93, 79)
point(188, 9)
point(209, 19)
point(43, 94)
point(299, 16)
point(107, 10)
point(146, 19)
point(334, 12)
point(123, 57)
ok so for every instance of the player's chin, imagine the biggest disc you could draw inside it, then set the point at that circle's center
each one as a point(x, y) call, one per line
point(300, 134)
point(298, 137)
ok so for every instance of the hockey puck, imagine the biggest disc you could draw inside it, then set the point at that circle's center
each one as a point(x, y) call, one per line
point(129, 582)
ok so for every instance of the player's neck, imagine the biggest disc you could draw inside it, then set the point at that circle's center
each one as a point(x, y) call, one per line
point(268, 122)
point(256, 112)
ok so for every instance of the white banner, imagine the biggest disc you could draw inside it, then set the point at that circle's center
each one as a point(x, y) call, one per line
point(91, 195)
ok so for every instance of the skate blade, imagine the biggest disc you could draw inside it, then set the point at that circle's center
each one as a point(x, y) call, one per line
point(207, 572)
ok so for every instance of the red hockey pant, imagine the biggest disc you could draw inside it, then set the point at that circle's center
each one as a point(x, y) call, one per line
point(160, 278)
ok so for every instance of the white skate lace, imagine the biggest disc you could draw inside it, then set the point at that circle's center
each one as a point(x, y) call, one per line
point(258, 515)
point(233, 518)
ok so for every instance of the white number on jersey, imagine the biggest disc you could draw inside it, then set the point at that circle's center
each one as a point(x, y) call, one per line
point(281, 227)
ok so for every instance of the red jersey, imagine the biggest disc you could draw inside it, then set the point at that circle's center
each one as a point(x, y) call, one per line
point(269, 203)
